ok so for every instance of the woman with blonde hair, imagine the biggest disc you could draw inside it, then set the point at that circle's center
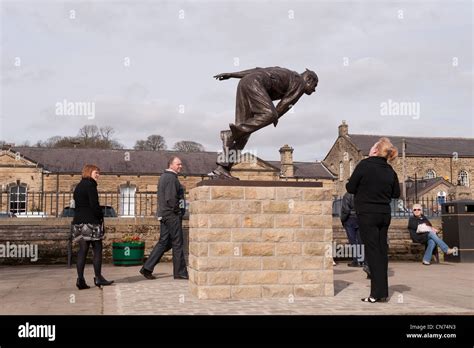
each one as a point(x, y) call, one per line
point(88, 226)
point(374, 183)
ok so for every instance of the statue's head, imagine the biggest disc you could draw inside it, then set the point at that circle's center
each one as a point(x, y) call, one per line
point(311, 81)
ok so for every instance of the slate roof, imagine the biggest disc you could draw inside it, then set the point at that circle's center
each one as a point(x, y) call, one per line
point(70, 160)
point(67, 160)
point(418, 146)
point(308, 170)
point(425, 185)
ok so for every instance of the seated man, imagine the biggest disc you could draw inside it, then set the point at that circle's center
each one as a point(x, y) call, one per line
point(421, 231)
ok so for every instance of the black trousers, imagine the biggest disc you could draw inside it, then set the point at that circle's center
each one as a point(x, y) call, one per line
point(171, 232)
point(373, 231)
point(82, 255)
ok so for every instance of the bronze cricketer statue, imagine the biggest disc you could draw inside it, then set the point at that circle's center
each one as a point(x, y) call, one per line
point(254, 109)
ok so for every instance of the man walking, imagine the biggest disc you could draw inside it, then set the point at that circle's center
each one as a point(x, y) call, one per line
point(171, 206)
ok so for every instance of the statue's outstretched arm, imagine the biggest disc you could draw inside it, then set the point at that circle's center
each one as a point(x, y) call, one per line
point(235, 75)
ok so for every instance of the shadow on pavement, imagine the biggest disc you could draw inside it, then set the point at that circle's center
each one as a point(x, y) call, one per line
point(340, 285)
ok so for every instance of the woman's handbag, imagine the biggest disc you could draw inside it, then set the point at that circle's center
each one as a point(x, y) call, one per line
point(424, 228)
point(87, 232)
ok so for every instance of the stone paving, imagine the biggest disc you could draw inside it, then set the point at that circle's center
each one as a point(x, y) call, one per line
point(445, 288)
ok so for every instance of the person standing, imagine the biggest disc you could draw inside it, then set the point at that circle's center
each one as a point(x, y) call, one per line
point(351, 225)
point(374, 183)
point(170, 211)
point(88, 226)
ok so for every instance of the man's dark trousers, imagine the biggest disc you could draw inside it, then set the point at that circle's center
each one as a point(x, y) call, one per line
point(170, 231)
point(352, 230)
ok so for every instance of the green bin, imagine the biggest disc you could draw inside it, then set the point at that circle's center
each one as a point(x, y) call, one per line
point(128, 254)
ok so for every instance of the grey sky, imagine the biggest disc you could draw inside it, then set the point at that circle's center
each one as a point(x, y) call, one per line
point(402, 51)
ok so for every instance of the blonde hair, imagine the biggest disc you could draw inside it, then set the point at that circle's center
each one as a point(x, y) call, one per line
point(88, 169)
point(387, 149)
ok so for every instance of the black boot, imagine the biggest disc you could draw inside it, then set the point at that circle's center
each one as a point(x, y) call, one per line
point(81, 284)
point(101, 281)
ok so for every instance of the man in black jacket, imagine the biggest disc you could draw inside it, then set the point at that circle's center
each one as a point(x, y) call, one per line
point(351, 225)
point(171, 206)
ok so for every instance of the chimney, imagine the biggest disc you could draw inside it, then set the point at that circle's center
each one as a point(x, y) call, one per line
point(286, 154)
point(343, 129)
point(7, 146)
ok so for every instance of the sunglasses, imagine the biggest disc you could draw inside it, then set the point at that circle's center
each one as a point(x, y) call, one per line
point(416, 209)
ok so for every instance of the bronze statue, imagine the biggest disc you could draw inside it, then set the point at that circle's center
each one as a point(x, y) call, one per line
point(254, 105)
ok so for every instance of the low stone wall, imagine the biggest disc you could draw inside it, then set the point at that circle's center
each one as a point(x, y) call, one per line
point(401, 247)
point(52, 245)
point(51, 237)
point(252, 242)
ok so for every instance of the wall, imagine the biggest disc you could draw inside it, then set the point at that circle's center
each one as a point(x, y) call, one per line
point(52, 245)
point(401, 246)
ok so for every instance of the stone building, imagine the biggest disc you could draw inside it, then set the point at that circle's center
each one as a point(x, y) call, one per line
point(42, 180)
point(448, 160)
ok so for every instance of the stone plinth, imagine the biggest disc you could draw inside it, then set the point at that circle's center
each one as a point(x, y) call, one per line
point(249, 241)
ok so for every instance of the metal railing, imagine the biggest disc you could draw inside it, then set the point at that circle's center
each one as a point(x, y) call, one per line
point(431, 206)
point(60, 204)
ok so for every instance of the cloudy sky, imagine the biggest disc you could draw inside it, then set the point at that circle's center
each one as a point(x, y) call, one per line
point(147, 66)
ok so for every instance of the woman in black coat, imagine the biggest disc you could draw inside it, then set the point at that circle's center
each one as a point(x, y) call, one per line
point(88, 226)
point(374, 183)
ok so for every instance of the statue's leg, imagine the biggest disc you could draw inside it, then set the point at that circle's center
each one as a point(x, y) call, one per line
point(254, 108)
point(230, 148)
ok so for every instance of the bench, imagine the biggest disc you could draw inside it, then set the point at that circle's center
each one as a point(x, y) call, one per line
point(47, 237)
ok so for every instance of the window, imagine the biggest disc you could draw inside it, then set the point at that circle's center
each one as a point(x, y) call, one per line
point(341, 171)
point(430, 174)
point(351, 166)
point(127, 200)
point(18, 199)
point(463, 179)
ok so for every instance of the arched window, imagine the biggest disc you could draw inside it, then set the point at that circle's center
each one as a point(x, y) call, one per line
point(430, 174)
point(351, 166)
point(127, 200)
point(463, 178)
point(18, 198)
point(341, 171)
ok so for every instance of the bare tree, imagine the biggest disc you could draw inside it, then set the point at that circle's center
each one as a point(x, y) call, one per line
point(156, 142)
point(50, 142)
point(89, 134)
point(140, 145)
point(153, 142)
point(188, 146)
point(106, 133)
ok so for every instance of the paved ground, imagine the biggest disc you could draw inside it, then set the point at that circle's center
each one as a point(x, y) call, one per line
point(445, 288)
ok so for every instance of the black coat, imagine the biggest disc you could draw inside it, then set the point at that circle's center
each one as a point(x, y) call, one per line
point(170, 195)
point(374, 183)
point(86, 199)
point(413, 223)
point(347, 207)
